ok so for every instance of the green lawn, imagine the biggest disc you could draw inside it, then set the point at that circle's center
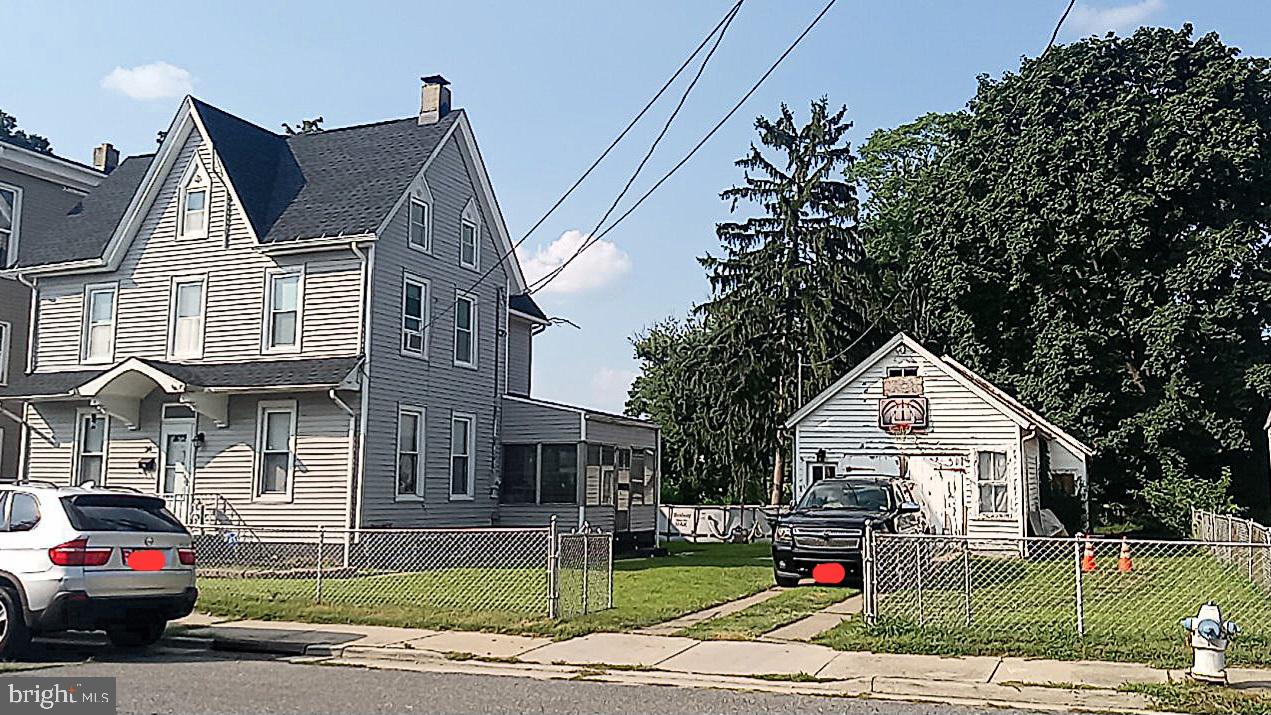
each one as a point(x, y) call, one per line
point(1030, 611)
point(1185, 697)
point(646, 591)
point(760, 618)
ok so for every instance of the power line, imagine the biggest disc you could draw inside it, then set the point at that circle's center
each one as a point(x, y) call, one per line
point(551, 275)
point(754, 88)
point(1058, 25)
point(609, 149)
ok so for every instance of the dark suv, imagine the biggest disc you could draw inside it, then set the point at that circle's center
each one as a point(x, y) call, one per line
point(828, 523)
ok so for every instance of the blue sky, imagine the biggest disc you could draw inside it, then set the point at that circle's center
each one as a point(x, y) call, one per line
point(548, 84)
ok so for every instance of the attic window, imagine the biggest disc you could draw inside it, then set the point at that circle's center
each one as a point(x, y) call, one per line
point(420, 235)
point(194, 200)
point(470, 237)
point(903, 371)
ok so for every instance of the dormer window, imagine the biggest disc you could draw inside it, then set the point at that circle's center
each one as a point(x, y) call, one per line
point(470, 237)
point(420, 236)
point(10, 210)
point(194, 204)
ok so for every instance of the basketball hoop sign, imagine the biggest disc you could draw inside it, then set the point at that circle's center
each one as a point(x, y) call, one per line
point(902, 415)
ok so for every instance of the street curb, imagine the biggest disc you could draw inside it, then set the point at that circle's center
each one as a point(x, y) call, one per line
point(253, 645)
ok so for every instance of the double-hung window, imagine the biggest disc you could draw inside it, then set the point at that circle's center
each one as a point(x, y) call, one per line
point(6, 346)
point(99, 322)
point(465, 330)
point(185, 334)
point(10, 220)
point(461, 461)
point(92, 435)
point(420, 229)
point(410, 452)
point(275, 449)
point(468, 238)
point(415, 311)
point(990, 476)
point(284, 303)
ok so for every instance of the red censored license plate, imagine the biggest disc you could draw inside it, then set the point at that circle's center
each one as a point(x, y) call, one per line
point(144, 559)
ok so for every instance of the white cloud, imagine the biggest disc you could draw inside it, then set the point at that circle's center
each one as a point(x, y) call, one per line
point(602, 264)
point(156, 80)
point(609, 388)
point(1121, 18)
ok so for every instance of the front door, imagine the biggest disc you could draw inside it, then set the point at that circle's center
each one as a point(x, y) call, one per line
point(622, 501)
point(176, 457)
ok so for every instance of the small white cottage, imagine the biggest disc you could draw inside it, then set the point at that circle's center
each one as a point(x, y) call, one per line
point(976, 456)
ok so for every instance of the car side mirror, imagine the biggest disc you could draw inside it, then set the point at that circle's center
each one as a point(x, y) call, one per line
point(908, 507)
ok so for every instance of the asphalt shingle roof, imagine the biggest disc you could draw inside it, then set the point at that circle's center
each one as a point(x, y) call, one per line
point(330, 183)
point(259, 373)
point(523, 303)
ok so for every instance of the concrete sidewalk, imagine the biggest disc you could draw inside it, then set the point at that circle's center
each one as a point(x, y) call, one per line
point(628, 657)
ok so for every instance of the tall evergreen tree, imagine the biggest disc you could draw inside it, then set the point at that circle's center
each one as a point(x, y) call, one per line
point(788, 289)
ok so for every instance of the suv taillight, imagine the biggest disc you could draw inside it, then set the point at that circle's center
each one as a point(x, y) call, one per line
point(186, 556)
point(77, 553)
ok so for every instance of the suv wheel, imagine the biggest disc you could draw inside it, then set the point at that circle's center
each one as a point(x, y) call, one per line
point(137, 633)
point(14, 635)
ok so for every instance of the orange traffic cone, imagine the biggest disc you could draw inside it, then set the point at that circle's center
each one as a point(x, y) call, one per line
point(1124, 564)
point(1087, 559)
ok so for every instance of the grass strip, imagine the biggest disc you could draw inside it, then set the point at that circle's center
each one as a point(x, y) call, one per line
point(782, 609)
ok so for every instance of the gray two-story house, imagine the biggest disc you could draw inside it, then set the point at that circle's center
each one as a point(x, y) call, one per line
point(328, 328)
point(36, 188)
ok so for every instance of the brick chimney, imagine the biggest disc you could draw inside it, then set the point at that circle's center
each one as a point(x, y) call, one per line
point(105, 158)
point(434, 99)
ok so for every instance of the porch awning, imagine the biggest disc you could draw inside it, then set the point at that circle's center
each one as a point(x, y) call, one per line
point(205, 387)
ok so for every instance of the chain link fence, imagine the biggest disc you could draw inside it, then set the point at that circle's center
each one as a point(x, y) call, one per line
point(411, 571)
point(1087, 588)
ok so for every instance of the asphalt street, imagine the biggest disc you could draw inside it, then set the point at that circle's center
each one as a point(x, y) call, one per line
point(196, 682)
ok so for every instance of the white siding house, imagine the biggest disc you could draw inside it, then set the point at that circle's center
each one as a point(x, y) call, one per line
point(976, 455)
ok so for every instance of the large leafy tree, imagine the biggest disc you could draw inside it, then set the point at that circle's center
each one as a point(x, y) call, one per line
point(1092, 233)
point(788, 287)
point(10, 133)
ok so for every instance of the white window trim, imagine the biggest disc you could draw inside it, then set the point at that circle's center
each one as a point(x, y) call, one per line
point(454, 352)
point(476, 239)
point(1005, 481)
point(471, 419)
point(421, 416)
point(6, 346)
point(16, 229)
point(408, 277)
point(193, 171)
point(86, 310)
point(176, 283)
point(410, 225)
point(266, 321)
point(258, 473)
point(80, 414)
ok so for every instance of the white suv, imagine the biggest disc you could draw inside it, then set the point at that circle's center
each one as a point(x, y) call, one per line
point(83, 558)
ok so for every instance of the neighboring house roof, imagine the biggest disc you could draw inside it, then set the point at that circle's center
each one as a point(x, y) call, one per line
point(525, 305)
point(49, 167)
point(985, 390)
point(315, 372)
point(338, 182)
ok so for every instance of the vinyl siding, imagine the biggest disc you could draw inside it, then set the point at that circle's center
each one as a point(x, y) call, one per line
point(225, 465)
point(435, 383)
point(520, 356)
point(525, 422)
point(962, 423)
point(236, 270)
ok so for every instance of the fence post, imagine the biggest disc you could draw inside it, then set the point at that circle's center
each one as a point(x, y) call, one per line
point(586, 572)
point(609, 539)
point(966, 577)
point(317, 594)
point(1076, 570)
point(918, 547)
point(868, 577)
point(1249, 525)
point(553, 573)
